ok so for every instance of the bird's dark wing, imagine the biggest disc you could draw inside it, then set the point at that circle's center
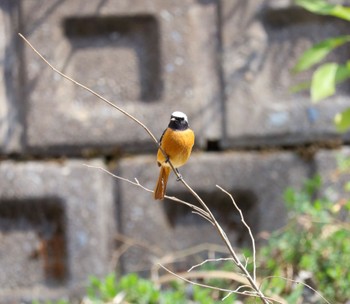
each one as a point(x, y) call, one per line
point(162, 136)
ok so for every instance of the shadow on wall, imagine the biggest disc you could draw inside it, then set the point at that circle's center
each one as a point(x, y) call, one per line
point(34, 237)
point(136, 34)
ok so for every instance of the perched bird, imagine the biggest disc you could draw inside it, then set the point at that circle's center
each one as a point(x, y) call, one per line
point(177, 142)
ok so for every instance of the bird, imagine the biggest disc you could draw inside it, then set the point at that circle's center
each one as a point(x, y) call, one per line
point(176, 141)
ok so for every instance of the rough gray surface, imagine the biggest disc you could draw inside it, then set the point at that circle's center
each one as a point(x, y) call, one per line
point(57, 223)
point(11, 112)
point(141, 55)
point(225, 63)
point(261, 44)
point(256, 181)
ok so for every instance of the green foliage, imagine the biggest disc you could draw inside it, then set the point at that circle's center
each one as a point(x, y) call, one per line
point(322, 7)
point(323, 81)
point(102, 289)
point(327, 75)
point(318, 52)
point(315, 242)
point(134, 289)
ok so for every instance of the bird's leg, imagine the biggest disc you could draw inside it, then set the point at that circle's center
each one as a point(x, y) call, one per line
point(179, 176)
point(167, 159)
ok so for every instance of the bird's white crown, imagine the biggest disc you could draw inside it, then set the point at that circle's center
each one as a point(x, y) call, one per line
point(179, 114)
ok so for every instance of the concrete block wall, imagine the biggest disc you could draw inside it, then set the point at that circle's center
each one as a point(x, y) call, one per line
point(261, 41)
point(56, 219)
point(225, 63)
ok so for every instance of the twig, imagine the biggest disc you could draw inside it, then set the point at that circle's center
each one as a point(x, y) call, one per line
point(179, 255)
point(138, 184)
point(221, 232)
point(132, 242)
point(296, 282)
point(104, 100)
point(247, 226)
point(89, 90)
point(173, 257)
point(245, 293)
point(209, 260)
point(213, 274)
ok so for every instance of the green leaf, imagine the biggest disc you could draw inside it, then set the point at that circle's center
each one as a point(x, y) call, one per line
point(323, 81)
point(342, 120)
point(315, 6)
point(322, 7)
point(110, 288)
point(318, 52)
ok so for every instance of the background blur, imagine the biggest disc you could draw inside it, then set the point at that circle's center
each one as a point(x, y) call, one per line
point(226, 64)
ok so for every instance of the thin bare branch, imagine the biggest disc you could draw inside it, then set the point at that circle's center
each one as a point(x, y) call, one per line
point(103, 99)
point(89, 90)
point(179, 255)
point(133, 242)
point(213, 274)
point(206, 218)
point(245, 293)
point(209, 260)
point(138, 184)
point(247, 226)
point(296, 282)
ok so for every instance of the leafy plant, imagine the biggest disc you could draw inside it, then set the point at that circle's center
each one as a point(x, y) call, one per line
point(130, 287)
point(327, 75)
point(133, 289)
point(315, 244)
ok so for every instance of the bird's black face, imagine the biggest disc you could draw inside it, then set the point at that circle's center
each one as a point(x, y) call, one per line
point(178, 122)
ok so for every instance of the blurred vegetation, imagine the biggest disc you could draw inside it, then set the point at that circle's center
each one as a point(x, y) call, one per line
point(314, 247)
point(327, 74)
point(133, 289)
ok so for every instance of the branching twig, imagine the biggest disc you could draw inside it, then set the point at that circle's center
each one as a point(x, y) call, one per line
point(200, 211)
point(213, 274)
point(296, 282)
point(209, 260)
point(247, 226)
point(236, 291)
point(252, 281)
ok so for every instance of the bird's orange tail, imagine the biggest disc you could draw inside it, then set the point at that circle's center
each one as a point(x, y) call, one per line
point(159, 192)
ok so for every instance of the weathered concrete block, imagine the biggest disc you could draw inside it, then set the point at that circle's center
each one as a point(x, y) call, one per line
point(262, 41)
point(148, 57)
point(56, 228)
point(256, 181)
point(10, 91)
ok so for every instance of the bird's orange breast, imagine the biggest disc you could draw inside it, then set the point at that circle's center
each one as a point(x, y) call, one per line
point(177, 145)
